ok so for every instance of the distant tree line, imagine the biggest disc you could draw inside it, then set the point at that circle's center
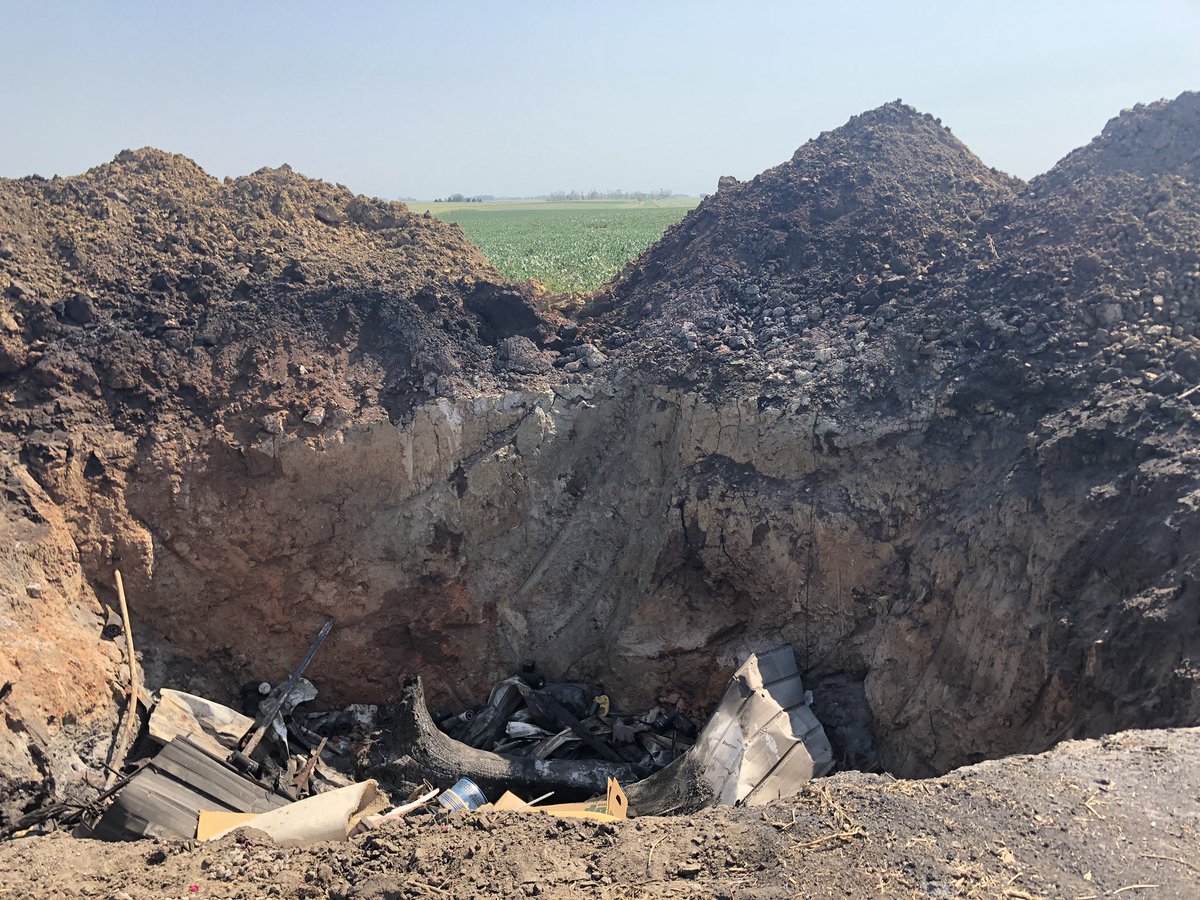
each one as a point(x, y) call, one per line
point(660, 194)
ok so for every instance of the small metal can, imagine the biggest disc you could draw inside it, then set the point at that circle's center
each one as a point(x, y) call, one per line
point(464, 795)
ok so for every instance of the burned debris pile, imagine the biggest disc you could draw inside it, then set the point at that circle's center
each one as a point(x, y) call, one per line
point(203, 769)
point(526, 715)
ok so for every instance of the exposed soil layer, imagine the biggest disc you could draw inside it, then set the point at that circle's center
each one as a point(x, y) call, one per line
point(933, 426)
point(1089, 820)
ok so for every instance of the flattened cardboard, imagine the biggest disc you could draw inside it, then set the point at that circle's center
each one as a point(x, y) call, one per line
point(612, 808)
point(213, 821)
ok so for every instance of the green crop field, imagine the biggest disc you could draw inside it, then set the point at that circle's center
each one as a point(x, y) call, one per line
point(567, 246)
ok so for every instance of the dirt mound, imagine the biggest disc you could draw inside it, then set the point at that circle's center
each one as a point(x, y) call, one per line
point(1090, 819)
point(891, 193)
point(811, 263)
point(146, 285)
point(1105, 244)
point(1148, 140)
point(886, 250)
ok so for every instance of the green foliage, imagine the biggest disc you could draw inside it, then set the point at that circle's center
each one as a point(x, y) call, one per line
point(566, 246)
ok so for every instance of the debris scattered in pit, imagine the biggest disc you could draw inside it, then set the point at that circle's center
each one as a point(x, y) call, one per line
point(205, 770)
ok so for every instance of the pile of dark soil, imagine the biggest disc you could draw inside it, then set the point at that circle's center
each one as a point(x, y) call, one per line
point(884, 253)
point(818, 266)
point(145, 288)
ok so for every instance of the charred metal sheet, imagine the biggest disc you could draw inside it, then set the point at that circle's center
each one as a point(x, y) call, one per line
point(165, 798)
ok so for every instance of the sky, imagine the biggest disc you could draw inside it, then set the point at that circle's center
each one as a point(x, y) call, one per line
point(516, 98)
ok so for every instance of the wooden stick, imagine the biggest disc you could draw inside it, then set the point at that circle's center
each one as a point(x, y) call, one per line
point(133, 669)
point(535, 800)
point(841, 835)
point(305, 774)
point(116, 756)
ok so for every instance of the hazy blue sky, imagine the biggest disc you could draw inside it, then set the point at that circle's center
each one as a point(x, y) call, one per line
point(507, 97)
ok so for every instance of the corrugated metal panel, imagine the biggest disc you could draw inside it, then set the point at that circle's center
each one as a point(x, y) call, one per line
point(763, 741)
point(164, 799)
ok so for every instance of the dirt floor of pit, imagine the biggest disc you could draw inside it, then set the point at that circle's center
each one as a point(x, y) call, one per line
point(1115, 817)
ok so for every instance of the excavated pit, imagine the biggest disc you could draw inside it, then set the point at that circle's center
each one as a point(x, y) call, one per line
point(650, 543)
point(933, 427)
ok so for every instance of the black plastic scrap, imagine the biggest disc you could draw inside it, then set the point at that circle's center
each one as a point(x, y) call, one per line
point(527, 716)
point(485, 727)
